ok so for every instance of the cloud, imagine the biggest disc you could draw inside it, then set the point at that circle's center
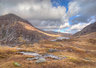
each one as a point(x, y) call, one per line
point(33, 9)
point(79, 26)
point(84, 12)
point(76, 27)
point(43, 15)
point(87, 9)
point(36, 11)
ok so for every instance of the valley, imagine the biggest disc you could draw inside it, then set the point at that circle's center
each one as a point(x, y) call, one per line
point(66, 53)
point(47, 33)
point(24, 46)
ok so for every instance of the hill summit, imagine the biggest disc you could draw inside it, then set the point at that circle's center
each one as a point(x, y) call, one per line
point(15, 30)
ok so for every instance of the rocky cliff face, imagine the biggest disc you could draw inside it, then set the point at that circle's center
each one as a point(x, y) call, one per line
point(88, 29)
point(15, 30)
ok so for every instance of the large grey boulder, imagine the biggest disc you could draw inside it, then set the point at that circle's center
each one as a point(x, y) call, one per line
point(41, 60)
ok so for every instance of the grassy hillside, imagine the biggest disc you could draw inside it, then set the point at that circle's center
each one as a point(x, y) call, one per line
point(77, 53)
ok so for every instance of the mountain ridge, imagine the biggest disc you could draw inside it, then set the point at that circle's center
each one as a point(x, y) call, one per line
point(14, 29)
point(88, 29)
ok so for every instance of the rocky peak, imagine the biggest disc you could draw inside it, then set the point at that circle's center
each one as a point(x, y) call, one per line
point(88, 29)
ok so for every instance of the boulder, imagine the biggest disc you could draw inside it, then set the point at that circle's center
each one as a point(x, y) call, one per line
point(41, 60)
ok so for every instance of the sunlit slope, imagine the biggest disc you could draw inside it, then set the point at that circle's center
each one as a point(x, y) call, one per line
point(29, 27)
point(15, 30)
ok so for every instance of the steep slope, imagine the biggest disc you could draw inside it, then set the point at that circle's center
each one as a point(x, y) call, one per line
point(15, 30)
point(88, 29)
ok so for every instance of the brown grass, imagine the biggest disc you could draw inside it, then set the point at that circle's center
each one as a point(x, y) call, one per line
point(78, 53)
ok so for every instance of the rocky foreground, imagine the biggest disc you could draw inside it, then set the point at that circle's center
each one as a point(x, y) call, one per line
point(66, 53)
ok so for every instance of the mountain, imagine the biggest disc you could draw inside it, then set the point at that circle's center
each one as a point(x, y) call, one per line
point(15, 30)
point(88, 29)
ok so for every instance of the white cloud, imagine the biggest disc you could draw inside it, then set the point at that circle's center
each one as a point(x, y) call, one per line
point(65, 25)
point(79, 26)
point(43, 15)
point(72, 11)
point(34, 10)
point(87, 9)
point(74, 8)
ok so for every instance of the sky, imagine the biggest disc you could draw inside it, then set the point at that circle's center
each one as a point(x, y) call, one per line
point(67, 16)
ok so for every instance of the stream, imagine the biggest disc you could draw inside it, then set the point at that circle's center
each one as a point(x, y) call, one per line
point(38, 56)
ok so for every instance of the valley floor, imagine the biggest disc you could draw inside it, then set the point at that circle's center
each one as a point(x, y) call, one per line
point(75, 53)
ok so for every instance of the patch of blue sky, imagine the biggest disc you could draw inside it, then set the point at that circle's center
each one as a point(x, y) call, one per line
point(72, 18)
point(62, 3)
point(62, 30)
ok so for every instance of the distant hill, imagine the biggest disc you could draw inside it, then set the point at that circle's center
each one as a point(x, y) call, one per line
point(88, 29)
point(15, 30)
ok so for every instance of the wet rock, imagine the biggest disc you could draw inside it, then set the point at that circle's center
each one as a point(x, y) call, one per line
point(34, 58)
point(87, 59)
point(41, 60)
point(52, 56)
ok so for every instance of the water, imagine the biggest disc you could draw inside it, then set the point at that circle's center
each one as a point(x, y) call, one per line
point(30, 53)
point(37, 56)
point(60, 38)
